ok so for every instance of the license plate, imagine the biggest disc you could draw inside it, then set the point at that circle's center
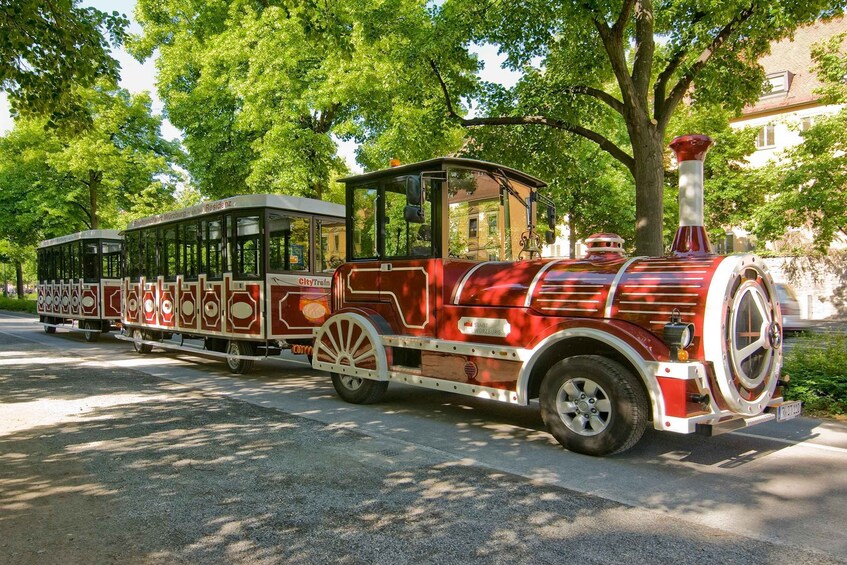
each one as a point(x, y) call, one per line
point(788, 410)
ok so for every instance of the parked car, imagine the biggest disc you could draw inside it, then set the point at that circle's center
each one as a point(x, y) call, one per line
point(792, 318)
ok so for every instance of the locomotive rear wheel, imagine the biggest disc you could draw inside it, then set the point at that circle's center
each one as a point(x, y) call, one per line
point(593, 405)
point(357, 390)
point(142, 348)
point(239, 366)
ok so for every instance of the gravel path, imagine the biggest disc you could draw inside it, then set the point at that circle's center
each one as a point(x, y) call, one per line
point(99, 465)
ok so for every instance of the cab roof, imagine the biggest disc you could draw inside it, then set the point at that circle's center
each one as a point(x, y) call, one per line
point(441, 163)
point(81, 235)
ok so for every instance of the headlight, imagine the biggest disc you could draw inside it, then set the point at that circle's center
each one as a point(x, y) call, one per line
point(677, 334)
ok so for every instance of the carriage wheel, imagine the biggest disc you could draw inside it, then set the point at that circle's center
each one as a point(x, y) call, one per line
point(239, 366)
point(90, 337)
point(141, 348)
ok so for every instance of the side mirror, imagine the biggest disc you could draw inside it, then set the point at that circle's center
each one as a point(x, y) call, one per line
point(414, 192)
point(551, 217)
point(549, 237)
point(413, 214)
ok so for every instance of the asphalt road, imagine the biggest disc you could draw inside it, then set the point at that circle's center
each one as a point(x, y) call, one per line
point(273, 467)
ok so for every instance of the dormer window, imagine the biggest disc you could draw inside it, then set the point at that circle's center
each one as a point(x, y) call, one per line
point(777, 83)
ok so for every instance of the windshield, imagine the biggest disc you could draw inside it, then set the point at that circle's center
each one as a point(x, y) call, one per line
point(488, 215)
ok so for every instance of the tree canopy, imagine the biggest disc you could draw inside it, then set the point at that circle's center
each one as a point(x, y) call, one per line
point(46, 48)
point(262, 90)
point(654, 55)
point(56, 182)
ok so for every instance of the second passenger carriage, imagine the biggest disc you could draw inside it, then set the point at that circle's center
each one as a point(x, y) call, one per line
point(249, 275)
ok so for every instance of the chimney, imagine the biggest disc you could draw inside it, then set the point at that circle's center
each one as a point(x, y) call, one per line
point(691, 237)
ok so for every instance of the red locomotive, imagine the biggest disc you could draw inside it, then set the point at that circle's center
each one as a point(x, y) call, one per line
point(79, 282)
point(442, 289)
point(247, 275)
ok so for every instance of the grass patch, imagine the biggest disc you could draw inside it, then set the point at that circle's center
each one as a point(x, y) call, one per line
point(817, 364)
point(15, 305)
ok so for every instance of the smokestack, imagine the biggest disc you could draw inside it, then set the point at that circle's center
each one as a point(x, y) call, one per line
point(691, 237)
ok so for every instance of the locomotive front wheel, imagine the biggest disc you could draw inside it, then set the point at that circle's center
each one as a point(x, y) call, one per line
point(90, 336)
point(593, 405)
point(141, 348)
point(356, 390)
point(239, 366)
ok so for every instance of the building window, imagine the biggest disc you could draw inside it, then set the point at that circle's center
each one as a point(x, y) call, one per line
point(473, 228)
point(777, 83)
point(765, 139)
point(806, 123)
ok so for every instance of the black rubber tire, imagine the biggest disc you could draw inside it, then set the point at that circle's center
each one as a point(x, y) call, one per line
point(240, 366)
point(359, 391)
point(90, 337)
point(49, 329)
point(625, 405)
point(141, 348)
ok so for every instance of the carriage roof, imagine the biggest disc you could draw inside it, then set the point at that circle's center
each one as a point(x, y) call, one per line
point(87, 234)
point(275, 201)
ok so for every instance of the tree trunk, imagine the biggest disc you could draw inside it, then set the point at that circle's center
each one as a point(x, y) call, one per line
point(19, 273)
point(94, 178)
point(571, 236)
point(649, 190)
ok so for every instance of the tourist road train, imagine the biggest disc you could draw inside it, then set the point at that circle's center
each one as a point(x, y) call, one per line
point(432, 276)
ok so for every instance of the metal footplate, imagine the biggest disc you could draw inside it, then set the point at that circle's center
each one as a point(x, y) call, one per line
point(727, 426)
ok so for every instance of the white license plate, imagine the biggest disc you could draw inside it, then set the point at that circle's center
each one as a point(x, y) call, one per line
point(788, 410)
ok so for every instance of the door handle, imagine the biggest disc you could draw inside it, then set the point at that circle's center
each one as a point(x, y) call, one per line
point(385, 267)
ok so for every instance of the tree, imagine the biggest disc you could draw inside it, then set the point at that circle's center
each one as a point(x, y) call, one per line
point(47, 48)
point(810, 188)
point(262, 90)
point(55, 182)
point(655, 55)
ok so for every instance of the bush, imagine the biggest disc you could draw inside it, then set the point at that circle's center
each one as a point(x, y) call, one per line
point(817, 365)
point(16, 305)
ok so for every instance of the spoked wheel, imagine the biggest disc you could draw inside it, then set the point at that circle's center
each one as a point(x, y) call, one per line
point(357, 390)
point(239, 366)
point(90, 336)
point(141, 348)
point(593, 405)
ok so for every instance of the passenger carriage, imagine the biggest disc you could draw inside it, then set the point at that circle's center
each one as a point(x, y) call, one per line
point(444, 289)
point(79, 282)
point(248, 276)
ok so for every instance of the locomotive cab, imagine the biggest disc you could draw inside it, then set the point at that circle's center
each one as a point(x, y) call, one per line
point(444, 288)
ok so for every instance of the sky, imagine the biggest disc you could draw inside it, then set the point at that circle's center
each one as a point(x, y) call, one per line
point(138, 77)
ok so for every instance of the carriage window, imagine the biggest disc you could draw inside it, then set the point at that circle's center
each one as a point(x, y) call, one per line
point(111, 256)
point(364, 222)
point(247, 249)
point(133, 254)
point(288, 243)
point(151, 268)
point(332, 250)
point(90, 260)
point(190, 243)
point(212, 248)
point(76, 260)
point(171, 255)
point(403, 239)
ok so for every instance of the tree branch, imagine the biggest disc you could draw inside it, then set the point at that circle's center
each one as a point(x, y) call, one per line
point(674, 62)
point(675, 97)
point(645, 47)
point(601, 95)
point(586, 133)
